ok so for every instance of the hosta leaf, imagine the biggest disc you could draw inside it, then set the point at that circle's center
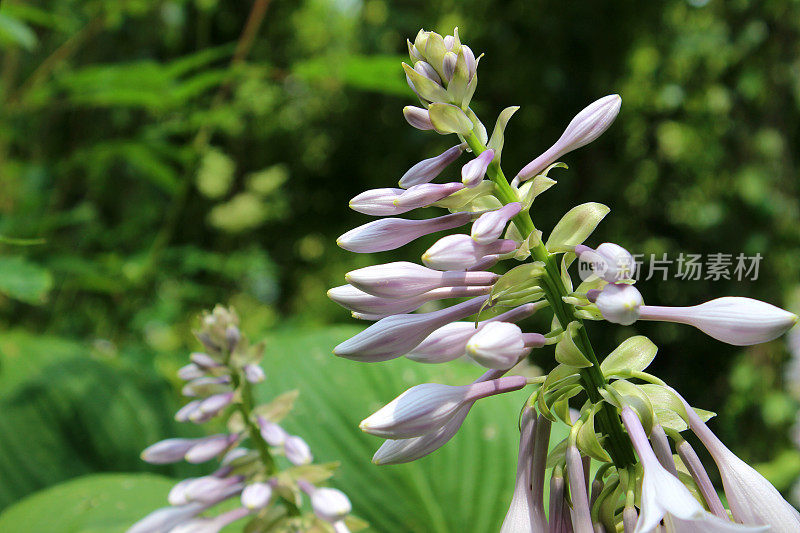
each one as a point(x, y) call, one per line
point(22, 280)
point(99, 503)
point(575, 226)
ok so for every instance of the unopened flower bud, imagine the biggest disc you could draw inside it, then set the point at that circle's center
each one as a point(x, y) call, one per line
point(359, 301)
point(391, 233)
point(620, 304)
point(203, 360)
point(497, 345)
point(167, 451)
point(396, 335)
point(211, 406)
point(377, 202)
point(587, 126)
point(427, 169)
point(209, 447)
point(190, 371)
point(732, 319)
point(403, 279)
point(425, 194)
point(610, 261)
point(473, 172)
point(490, 226)
point(256, 495)
point(469, 57)
point(427, 407)
point(456, 252)
point(418, 117)
point(206, 386)
point(274, 434)
point(185, 412)
point(330, 505)
point(428, 71)
point(254, 373)
point(449, 65)
point(297, 451)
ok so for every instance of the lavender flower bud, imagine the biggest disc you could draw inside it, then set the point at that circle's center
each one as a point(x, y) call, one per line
point(167, 451)
point(397, 451)
point(418, 117)
point(209, 447)
point(377, 202)
point(254, 373)
point(473, 172)
point(498, 345)
point(390, 233)
point(190, 371)
point(732, 319)
point(207, 386)
point(212, 525)
point(206, 489)
point(396, 335)
point(203, 360)
point(587, 126)
point(211, 406)
point(330, 505)
point(256, 496)
point(427, 169)
point(185, 412)
point(456, 252)
point(427, 407)
point(428, 71)
point(520, 517)
point(610, 261)
point(425, 194)
point(620, 304)
point(297, 451)
point(274, 434)
point(450, 342)
point(472, 63)
point(449, 65)
point(356, 300)
point(403, 279)
point(167, 518)
point(490, 226)
point(581, 518)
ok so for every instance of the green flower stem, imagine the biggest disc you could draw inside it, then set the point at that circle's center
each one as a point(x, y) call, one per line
point(245, 408)
point(619, 447)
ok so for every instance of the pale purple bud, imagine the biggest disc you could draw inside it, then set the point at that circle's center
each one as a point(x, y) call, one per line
point(752, 499)
point(629, 519)
point(297, 451)
point(167, 518)
point(235, 455)
point(658, 439)
point(331, 505)
point(254, 373)
point(403, 279)
point(449, 65)
point(396, 335)
point(520, 517)
point(620, 304)
point(428, 407)
point(427, 169)
point(498, 345)
point(390, 233)
point(359, 301)
point(232, 336)
point(190, 371)
point(211, 406)
point(377, 202)
point(425, 194)
point(274, 434)
point(207, 386)
point(212, 525)
point(168, 451)
point(428, 71)
point(695, 467)
point(449, 41)
point(581, 517)
point(177, 494)
point(256, 495)
point(610, 261)
point(185, 412)
point(490, 226)
point(469, 57)
point(209, 447)
point(203, 360)
point(587, 126)
point(396, 451)
point(541, 446)
point(450, 342)
point(206, 489)
point(732, 319)
point(457, 252)
point(484, 263)
point(418, 117)
point(473, 172)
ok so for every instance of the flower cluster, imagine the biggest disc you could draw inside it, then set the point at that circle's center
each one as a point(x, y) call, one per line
point(220, 381)
point(626, 419)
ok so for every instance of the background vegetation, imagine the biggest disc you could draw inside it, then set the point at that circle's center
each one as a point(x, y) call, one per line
point(159, 156)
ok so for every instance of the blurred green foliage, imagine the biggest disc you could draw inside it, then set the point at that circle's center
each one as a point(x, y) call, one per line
point(159, 156)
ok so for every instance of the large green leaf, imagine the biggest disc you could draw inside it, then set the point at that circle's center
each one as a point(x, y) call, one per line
point(66, 414)
point(100, 503)
point(465, 486)
point(378, 73)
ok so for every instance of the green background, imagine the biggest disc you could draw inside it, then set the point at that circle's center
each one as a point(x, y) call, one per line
point(158, 157)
